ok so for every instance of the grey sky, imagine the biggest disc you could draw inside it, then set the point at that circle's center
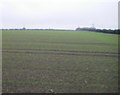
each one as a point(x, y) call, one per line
point(62, 14)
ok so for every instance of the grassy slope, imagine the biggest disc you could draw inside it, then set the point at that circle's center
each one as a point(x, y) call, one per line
point(62, 73)
point(60, 40)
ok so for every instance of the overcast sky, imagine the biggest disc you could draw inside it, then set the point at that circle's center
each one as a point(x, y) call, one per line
point(62, 14)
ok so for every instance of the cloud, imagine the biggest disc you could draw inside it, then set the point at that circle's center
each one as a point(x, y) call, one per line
point(58, 13)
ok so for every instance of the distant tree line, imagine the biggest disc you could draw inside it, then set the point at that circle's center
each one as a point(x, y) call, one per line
point(41, 29)
point(92, 29)
point(99, 30)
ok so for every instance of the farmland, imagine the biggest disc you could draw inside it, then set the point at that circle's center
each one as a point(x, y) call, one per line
point(64, 61)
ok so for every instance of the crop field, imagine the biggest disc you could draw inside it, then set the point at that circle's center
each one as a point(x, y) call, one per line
point(41, 61)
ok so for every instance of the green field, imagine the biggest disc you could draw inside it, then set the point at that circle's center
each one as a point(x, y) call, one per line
point(64, 61)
